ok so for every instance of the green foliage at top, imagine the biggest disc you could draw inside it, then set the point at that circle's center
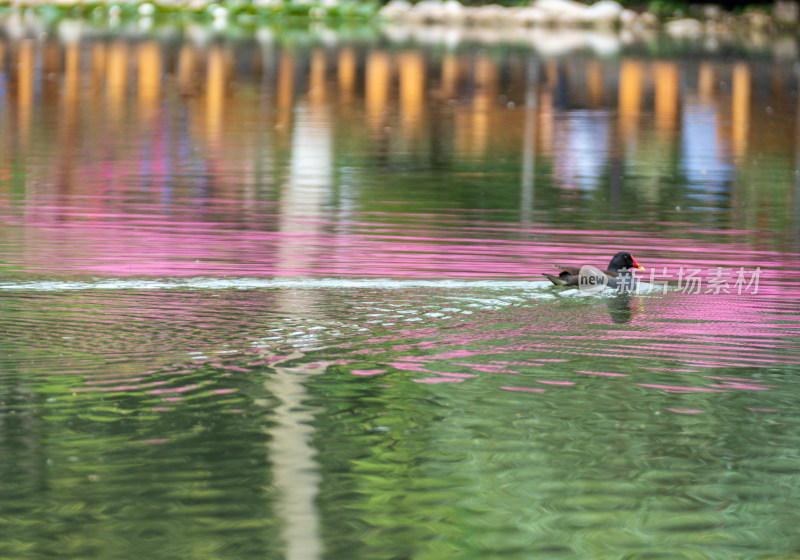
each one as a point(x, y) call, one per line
point(341, 9)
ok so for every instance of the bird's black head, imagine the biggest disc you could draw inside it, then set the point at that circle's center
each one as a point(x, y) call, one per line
point(623, 259)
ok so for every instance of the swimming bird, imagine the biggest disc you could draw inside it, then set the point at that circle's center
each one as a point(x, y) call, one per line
point(617, 275)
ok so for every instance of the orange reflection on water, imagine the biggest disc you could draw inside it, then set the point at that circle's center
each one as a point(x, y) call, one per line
point(740, 118)
point(376, 91)
point(72, 73)
point(476, 123)
point(187, 70)
point(69, 119)
point(24, 88)
point(117, 79)
point(667, 96)
point(149, 78)
point(347, 74)
point(225, 108)
point(411, 66)
point(595, 78)
point(706, 81)
point(97, 68)
point(451, 71)
point(285, 87)
point(631, 78)
point(216, 83)
point(316, 79)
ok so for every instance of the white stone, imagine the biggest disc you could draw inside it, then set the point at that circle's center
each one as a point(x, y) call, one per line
point(786, 11)
point(605, 12)
point(550, 42)
point(531, 16)
point(219, 13)
point(785, 48)
point(453, 10)
point(758, 20)
point(146, 9)
point(396, 9)
point(490, 14)
point(712, 11)
point(648, 19)
point(70, 31)
point(686, 27)
point(468, 12)
point(627, 17)
point(566, 12)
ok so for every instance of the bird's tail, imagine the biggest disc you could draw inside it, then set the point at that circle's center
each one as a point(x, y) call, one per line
point(556, 280)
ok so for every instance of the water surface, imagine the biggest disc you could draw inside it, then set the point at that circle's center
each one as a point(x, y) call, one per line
point(282, 298)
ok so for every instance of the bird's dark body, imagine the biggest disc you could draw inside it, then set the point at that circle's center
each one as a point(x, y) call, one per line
point(618, 274)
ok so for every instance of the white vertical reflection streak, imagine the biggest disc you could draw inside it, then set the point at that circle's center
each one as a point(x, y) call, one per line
point(295, 471)
point(529, 143)
point(796, 215)
point(301, 203)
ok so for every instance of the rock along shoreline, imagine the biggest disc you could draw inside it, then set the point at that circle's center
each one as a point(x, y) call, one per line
point(605, 15)
point(706, 20)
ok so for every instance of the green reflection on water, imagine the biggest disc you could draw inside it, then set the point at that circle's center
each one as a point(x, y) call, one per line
point(208, 422)
point(574, 474)
point(113, 475)
point(190, 446)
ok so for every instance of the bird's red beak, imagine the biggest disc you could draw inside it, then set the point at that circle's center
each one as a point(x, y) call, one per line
point(636, 265)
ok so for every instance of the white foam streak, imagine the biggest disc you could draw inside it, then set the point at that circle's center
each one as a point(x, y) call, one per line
point(205, 283)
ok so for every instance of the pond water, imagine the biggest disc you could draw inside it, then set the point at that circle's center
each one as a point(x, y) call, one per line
point(281, 296)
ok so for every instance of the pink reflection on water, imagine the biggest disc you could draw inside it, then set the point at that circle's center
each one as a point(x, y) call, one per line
point(686, 411)
point(523, 389)
point(666, 349)
point(742, 379)
point(703, 330)
point(743, 386)
point(456, 354)
point(367, 372)
point(110, 381)
point(486, 368)
point(109, 389)
point(407, 367)
point(173, 390)
point(672, 370)
point(533, 362)
point(124, 239)
point(233, 368)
